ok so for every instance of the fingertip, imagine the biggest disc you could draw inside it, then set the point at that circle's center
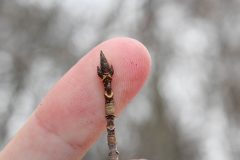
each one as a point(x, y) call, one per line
point(130, 46)
point(132, 63)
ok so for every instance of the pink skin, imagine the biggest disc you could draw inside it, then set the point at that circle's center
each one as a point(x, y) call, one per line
point(71, 117)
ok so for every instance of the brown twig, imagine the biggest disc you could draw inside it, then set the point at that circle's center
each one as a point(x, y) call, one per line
point(105, 72)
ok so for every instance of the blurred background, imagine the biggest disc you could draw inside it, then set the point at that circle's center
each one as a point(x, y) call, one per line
point(189, 108)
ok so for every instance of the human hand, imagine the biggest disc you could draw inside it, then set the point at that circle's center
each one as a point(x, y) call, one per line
point(71, 117)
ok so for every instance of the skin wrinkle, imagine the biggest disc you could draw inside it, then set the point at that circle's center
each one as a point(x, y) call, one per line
point(78, 111)
point(88, 124)
point(90, 112)
point(87, 111)
point(39, 135)
point(48, 129)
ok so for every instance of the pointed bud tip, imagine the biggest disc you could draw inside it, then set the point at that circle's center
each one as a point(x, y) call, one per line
point(104, 65)
point(101, 53)
point(103, 59)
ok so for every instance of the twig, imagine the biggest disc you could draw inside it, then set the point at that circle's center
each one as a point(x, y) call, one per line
point(105, 72)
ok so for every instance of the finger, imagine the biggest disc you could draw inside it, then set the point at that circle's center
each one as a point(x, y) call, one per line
point(71, 117)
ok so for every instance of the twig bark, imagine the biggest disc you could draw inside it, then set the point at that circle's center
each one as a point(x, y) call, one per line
point(105, 72)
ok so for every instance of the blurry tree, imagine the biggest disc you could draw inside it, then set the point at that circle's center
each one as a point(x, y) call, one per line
point(188, 109)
